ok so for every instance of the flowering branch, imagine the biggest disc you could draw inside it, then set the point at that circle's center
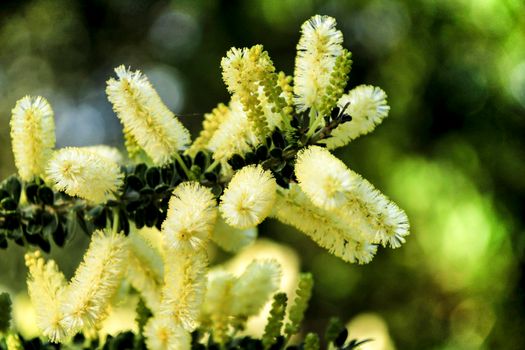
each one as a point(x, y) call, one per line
point(265, 153)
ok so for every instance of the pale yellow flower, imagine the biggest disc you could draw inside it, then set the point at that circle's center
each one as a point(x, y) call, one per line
point(152, 125)
point(324, 178)
point(145, 270)
point(95, 281)
point(317, 51)
point(234, 134)
point(191, 215)
point(331, 229)
point(216, 309)
point(162, 334)
point(46, 286)
point(255, 286)
point(85, 174)
point(367, 106)
point(185, 278)
point(249, 197)
point(32, 135)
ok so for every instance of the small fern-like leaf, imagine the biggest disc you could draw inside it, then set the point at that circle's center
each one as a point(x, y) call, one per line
point(275, 320)
point(5, 312)
point(298, 308)
point(311, 342)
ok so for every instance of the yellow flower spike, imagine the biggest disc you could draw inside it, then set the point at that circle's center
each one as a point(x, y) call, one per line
point(249, 197)
point(329, 229)
point(244, 72)
point(83, 173)
point(324, 178)
point(254, 287)
point(317, 52)
point(145, 117)
point(216, 309)
point(330, 185)
point(185, 279)
point(145, 270)
point(32, 136)
point(162, 334)
point(387, 223)
point(191, 215)
point(95, 281)
point(367, 106)
point(46, 286)
point(234, 134)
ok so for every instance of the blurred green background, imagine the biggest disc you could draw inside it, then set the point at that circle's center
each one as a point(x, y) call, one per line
point(451, 152)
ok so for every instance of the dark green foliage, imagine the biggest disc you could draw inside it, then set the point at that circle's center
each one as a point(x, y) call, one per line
point(311, 342)
point(273, 327)
point(132, 341)
point(333, 329)
point(143, 315)
point(279, 151)
point(120, 341)
point(298, 308)
point(5, 312)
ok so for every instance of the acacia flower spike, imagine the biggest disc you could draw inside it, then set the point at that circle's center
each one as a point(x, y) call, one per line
point(185, 280)
point(249, 197)
point(367, 106)
point(84, 173)
point(151, 124)
point(234, 133)
point(162, 334)
point(324, 178)
point(212, 121)
point(46, 286)
point(95, 281)
point(218, 302)
point(328, 228)
point(32, 136)
point(245, 71)
point(317, 52)
point(254, 287)
point(191, 215)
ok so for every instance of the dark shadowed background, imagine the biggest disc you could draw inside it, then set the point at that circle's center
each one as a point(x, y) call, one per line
point(451, 152)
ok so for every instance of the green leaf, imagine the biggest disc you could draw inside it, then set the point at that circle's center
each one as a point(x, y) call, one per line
point(297, 310)
point(46, 195)
point(50, 224)
point(134, 182)
point(8, 204)
point(31, 192)
point(334, 328)
point(13, 186)
point(5, 312)
point(340, 340)
point(311, 342)
point(275, 320)
point(153, 177)
point(143, 315)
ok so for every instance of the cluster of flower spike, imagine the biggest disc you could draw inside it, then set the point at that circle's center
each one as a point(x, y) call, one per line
point(270, 149)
